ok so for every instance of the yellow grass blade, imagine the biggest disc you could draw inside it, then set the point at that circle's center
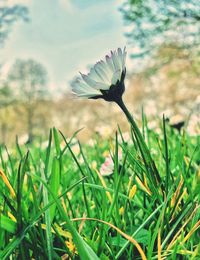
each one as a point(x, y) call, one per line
point(142, 186)
point(62, 232)
point(159, 245)
point(176, 193)
point(7, 183)
point(10, 215)
point(121, 211)
point(104, 185)
point(180, 230)
point(132, 192)
point(179, 201)
point(132, 240)
point(195, 227)
point(71, 246)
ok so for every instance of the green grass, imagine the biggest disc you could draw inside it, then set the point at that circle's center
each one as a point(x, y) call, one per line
point(53, 203)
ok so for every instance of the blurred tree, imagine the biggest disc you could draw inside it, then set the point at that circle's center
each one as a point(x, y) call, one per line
point(154, 23)
point(6, 99)
point(165, 36)
point(171, 88)
point(28, 80)
point(8, 16)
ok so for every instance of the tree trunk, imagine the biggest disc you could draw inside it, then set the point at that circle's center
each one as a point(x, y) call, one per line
point(30, 122)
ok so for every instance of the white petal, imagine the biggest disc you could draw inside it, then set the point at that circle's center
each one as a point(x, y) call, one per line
point(107, 70)
point(98, 70)
point(101, 83)
point(97, 85)
point(110, 63)
point(89, 80)
point(93, 75)
point(102, 69)
point(82, 89)
point(124, 58)
point(116, 76)
point(120, 57)
point(102, 86)
point(115, 61)
point(87, 95)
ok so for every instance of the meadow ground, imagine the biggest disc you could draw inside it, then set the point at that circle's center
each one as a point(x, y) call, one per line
point(105, 199)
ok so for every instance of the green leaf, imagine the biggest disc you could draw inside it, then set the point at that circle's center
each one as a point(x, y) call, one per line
point(54, 184)
point(49, 239)
point(57, 141)
point(7, 224)
point(84, 250)
point(142, 236)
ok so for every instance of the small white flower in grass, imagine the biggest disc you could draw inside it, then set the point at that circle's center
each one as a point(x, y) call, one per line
point(107, 168)
point(105, 79)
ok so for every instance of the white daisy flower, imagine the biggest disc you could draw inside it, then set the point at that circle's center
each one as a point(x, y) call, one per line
point(105, 79)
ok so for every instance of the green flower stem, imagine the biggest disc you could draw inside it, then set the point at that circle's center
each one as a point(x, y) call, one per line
point(143, 147)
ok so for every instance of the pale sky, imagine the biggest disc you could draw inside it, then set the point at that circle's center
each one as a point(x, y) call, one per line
point(66, 36)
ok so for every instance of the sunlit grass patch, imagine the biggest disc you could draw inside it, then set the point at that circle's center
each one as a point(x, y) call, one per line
point(44, 190)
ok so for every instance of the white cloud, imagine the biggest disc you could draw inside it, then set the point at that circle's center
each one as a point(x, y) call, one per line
point(67, 5)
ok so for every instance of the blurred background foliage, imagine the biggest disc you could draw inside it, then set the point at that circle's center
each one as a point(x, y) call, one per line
point(163, 38)
point(156, 23)
point(8, 16)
